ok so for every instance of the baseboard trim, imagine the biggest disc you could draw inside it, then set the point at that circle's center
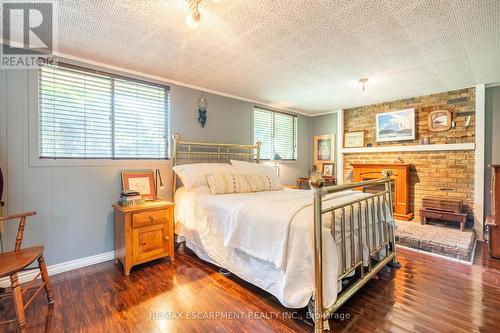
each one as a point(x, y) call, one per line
point(441, 256)
point(62, 267)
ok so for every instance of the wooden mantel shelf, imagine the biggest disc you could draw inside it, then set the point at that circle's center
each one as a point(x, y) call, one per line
point(387, 149)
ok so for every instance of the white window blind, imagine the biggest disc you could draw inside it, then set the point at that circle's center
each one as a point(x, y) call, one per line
point(277, 132)
point(75, 114)
point(91, 115)
point(139, 120)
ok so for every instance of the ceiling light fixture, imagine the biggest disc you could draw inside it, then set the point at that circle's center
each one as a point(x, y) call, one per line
point(194, 16)
point(363, 82)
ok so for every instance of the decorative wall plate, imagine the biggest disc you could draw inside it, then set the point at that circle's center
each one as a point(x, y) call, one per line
point(439, 120)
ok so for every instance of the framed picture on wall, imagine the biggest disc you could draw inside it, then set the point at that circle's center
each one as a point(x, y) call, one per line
point(141, 181)
point(439, 120)
point(324, 149)
point(396, 126)
point(354, 139)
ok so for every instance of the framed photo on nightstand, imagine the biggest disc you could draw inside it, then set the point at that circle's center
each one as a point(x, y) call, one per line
point(140, 181)
point(328, 169)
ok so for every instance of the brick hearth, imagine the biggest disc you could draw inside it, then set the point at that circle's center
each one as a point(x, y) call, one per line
point(436, 239)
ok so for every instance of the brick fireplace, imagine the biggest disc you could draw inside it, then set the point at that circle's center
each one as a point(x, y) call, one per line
point(439, 173)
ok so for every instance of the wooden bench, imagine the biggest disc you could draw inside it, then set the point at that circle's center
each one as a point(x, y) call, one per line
point(443, 209)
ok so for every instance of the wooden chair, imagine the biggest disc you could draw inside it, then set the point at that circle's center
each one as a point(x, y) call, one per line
point(11, 263)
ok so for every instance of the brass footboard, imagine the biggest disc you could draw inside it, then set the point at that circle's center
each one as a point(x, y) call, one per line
point(376, 236)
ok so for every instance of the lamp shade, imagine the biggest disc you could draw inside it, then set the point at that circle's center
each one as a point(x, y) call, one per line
point(276, 157)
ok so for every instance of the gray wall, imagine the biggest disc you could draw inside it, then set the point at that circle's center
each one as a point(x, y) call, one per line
point(231, 121)
point(325, 124)
point(492, 135)
point(73, 200)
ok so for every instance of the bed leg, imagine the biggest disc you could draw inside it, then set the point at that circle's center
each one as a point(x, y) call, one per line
point(394, 263)
point(313, 316)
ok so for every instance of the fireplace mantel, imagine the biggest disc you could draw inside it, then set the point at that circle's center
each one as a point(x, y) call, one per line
point(401, 177)
point(410, 148)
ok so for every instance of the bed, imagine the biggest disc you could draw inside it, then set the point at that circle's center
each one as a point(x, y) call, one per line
point(307, 248)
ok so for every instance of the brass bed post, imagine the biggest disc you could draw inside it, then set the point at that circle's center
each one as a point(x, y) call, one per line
point(351, 237)
point(368, 238)
point(317, 184)
point(360, 241)
point(388, 187)
point(258, 143)
point(175, 142)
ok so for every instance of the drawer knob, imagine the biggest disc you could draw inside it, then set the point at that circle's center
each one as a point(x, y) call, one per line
point(167, 238)
point(151, 218)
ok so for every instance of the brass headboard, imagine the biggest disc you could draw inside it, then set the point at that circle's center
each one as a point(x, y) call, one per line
point(187, 152)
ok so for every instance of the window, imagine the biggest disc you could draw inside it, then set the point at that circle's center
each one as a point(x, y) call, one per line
point(91, 115)
point(278, 133)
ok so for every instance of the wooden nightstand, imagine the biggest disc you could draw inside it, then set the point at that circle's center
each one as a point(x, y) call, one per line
point(143, 233)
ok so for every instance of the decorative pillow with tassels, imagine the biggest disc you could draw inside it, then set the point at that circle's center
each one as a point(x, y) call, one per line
point(226, 183)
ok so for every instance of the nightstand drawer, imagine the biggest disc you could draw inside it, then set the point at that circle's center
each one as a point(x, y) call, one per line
point(149, 218)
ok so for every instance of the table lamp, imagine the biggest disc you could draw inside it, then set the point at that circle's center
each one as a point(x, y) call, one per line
point(158, 177)
point(276, 158)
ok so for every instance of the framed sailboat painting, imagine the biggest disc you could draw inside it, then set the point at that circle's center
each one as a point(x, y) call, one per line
point(396, 125)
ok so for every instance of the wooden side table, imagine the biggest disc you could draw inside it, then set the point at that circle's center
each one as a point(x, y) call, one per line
point(329, 181)
point(143, 233)
point(302, 180)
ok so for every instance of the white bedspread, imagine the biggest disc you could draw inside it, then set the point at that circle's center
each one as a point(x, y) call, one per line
point(259, 225)
point(265, 238)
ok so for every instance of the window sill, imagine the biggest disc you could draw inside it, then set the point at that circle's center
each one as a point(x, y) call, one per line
point(75, 162)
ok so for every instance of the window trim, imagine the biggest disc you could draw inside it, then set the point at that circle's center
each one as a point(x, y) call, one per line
point(110, 74)
point(295, 132)
point(34, 76)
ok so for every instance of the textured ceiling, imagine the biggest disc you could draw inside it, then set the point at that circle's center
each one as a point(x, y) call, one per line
point(301, 55)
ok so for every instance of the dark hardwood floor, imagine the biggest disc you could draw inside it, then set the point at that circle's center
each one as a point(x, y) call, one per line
point(427, 294)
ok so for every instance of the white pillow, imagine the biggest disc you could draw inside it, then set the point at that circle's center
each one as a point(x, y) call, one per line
point(248, 168)
point(194, 175)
